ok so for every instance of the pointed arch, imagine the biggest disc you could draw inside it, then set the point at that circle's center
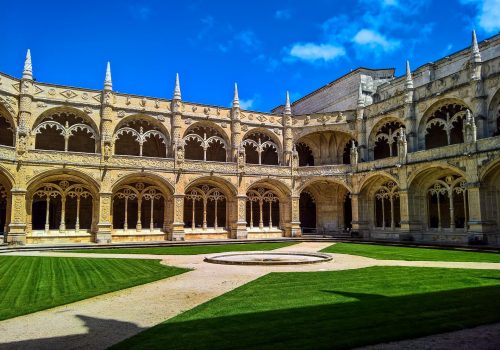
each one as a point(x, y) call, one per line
point(7, 127)
point(261, 147)
point(62, 201)
point(141, 135)
point(327, 146)
point(493, 119)
point(66, 129)
point(383, 136)
point(205, 141)
point(326, 209)
point(442, 124)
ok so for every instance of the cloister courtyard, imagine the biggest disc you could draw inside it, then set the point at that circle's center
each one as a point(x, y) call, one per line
point(168, 297)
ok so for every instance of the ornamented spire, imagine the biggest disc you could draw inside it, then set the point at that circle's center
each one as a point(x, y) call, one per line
point(108, 85)
point(476, 55)
point(288, 108)
point(236, 100)
point(361, 98)
point(409, 79)
point(177, 88)
point(28, 69)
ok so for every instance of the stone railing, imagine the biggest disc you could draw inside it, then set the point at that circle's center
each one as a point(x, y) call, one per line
point(378, 164)
point(275, 170)
point(61, 157)
point(324, 170)
point(7, 153)
point(207, 167)
point(140, 162)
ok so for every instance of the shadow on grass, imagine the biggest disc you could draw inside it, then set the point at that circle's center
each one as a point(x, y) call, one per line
point(99, 333)
point(360, 319)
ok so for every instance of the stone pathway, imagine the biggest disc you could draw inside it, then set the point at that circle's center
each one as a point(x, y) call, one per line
point(477, 338)
point(102, 321)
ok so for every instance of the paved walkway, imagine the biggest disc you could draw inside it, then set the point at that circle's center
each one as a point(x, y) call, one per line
point(102, 321)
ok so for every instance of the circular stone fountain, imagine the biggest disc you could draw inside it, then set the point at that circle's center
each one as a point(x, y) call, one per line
point(268, 258)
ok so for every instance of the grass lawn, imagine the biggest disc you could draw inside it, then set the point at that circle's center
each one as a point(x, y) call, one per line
point(383, 252)
point(29, 284)
point(186, 250)
point(332, 310)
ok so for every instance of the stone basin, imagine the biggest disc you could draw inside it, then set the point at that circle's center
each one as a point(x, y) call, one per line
point(268, 258)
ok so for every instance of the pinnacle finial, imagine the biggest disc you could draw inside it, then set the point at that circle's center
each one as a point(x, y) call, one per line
point(409, 79)
point(28, 68)
point(361, 98)
point(288, 108)
point(476, 55)
point(108, 84)
point(177, 88)
point(236, 99)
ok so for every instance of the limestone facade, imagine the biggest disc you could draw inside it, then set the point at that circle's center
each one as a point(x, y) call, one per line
point(415, 157)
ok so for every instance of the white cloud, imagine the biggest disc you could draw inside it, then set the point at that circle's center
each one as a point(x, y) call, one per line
point(390, 2)
point(312, 52)
point(374, 40)
point(283, 14)
point(488, 14)
point(247, 104)
point(248, 40)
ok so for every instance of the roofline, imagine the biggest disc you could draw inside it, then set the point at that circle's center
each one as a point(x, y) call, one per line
point(353, 72)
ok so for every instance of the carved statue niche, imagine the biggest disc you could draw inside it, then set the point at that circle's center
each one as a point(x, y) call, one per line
point(241, 158)
point(469, 130)
point(107, 151)
point(402, 145)
point(22, 145)
point(179, 151)
point(354, 155)
point(295, 158)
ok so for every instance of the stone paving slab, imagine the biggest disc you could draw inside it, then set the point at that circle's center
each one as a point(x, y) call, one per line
point(99, 322)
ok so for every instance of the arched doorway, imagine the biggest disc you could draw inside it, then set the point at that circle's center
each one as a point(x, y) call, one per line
point(307, 211)
point(325, 208)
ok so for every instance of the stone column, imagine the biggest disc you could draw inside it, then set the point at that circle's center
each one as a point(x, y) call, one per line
point(361, 137)
point(17, 226)
point(292, 226)
point(176, 122)
point(359, 225)
point(177, 227)
point(404, 210)
point(103, 234)
point(235, 132)
point(239, 229)
point(479, 226)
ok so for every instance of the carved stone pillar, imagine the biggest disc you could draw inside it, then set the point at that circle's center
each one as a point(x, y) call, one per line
point(106, 125)
point(479, 108)
point(479, 226)
point(103, 234)
point(17, 226)
point(361, 136)
point(287, 141)
point(358, 225)
point(292, 227)
point(177, 227)
point(239, 229)
point(235, 133)
point(176, 122)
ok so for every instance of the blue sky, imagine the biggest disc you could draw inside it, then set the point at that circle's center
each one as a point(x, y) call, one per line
point(268, 47)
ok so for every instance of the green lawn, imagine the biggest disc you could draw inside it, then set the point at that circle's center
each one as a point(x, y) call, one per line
point(333, 310)
point(186, 250)
point(29, 284)
point(384, 252)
